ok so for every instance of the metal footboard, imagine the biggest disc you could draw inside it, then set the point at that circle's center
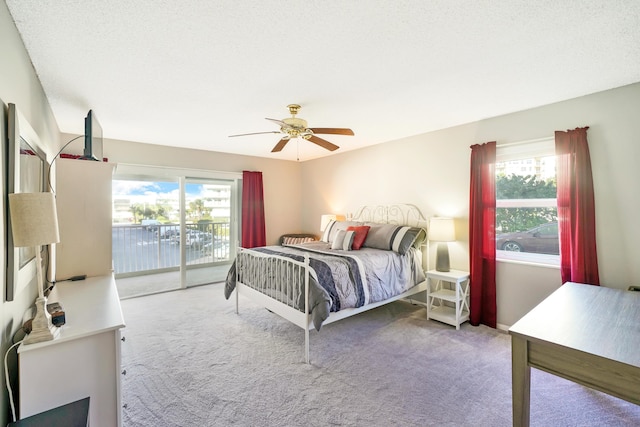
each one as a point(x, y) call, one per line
point(281, 285)
point(278, 283)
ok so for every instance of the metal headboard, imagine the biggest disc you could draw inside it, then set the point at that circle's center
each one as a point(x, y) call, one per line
point(399, 214)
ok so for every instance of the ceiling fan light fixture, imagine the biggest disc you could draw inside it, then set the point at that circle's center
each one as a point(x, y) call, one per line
point(295, 122)
point(293, 127)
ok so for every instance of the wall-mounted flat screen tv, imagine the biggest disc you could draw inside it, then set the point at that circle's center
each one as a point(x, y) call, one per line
point(92, 138)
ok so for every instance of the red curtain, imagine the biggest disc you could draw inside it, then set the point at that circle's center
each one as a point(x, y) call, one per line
point(482, 239)
point(576, 208)
point(253, 229)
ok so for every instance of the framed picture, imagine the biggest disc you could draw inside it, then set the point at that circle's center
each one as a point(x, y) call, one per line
point(26, 167)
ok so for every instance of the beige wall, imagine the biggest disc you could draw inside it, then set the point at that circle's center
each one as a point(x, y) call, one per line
point(432, 171)
point(18, 85)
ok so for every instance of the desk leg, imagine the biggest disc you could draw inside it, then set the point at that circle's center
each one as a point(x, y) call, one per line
point(520, 381)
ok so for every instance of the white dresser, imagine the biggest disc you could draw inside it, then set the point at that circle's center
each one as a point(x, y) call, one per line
point(84, 361)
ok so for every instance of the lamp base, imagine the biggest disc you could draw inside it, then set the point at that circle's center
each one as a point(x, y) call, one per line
point(41, 328)
point(442, 257)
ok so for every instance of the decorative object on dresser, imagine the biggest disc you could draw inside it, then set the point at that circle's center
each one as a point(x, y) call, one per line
point(34, 222)
point(442, 230)
point(320, 282)
point(57, 313)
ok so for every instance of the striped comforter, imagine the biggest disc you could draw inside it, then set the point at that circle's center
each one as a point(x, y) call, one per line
point(347, 279)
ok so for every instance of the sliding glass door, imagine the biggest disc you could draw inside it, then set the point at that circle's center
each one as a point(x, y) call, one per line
point(209, 213)
point(172, 232)
point(146, 222)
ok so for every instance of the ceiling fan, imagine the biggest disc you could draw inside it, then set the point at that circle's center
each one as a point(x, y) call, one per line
point(294, 127)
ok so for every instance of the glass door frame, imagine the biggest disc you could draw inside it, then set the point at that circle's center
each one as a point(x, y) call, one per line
point(126, 171)
point(234, 223)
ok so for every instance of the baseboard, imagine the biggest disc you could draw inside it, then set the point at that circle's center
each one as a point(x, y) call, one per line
point(501, 327)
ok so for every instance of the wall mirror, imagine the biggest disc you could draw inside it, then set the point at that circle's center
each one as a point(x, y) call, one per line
point(26, 167)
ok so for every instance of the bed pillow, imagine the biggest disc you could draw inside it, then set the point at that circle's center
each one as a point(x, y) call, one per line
point(343, 240)
point(394, 237)
point(327, 231)
point(294, 240)
point(361, 234)
point(333, 227)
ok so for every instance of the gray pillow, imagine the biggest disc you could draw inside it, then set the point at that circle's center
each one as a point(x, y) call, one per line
point(343, 240)
point(333, 227)
point(394, 237)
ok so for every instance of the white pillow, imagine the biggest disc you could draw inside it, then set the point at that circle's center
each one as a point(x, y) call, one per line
point(343, 240)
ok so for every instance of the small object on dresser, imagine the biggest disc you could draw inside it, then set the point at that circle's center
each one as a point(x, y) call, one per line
point(57, 314)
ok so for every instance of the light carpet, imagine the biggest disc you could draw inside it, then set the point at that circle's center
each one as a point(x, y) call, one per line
point(192, 361)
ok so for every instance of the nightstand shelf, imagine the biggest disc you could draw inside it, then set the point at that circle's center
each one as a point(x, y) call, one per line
point(448, 296)
point(443, 314)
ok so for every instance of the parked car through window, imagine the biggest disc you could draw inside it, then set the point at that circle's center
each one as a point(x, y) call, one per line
point(542, 239)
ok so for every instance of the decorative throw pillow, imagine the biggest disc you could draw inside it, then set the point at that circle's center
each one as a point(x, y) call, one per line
point(329, 233)
point(290, 240)
point(361, 234)
point(343, 240)
point(393, 237)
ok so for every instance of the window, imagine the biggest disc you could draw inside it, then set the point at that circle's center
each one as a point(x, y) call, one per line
point(526, 205)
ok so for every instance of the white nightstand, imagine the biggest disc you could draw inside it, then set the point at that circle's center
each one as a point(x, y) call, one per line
point(456, 294)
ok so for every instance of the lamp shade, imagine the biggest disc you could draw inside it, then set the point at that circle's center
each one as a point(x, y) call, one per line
point(325, 219)
point(34, 220)
point(442, 230)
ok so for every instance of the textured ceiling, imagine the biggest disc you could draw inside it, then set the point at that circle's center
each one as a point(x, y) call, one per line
point(189, 73)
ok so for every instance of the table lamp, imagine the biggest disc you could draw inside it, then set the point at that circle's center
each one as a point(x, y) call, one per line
point(34, 222)
point(442, 230)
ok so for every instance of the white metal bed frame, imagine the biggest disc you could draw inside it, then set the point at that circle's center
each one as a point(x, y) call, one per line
point(256, 284)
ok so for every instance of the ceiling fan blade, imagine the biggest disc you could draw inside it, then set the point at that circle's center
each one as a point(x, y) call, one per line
point(333, 131)
point(280, 145)
point(323, 143)
point(254, 133)
point(278, 122)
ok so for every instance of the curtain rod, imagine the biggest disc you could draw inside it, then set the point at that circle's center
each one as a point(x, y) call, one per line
point(530, 141)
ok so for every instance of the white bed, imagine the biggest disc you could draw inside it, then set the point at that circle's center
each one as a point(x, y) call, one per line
point(283, 280)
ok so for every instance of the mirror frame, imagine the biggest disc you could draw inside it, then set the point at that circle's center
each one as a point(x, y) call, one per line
point(26, 167)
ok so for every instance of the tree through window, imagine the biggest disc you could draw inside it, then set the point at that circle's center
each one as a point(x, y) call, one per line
point(526, 205)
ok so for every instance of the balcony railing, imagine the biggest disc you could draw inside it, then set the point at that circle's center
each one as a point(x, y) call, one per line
point(138, 249)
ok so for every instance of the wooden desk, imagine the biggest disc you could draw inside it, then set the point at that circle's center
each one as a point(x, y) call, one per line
point(586, 334)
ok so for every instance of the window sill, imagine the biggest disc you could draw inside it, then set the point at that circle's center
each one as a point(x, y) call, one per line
point(524, 258)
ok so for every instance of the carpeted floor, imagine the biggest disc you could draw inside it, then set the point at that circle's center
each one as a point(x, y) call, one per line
point(191, 361)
